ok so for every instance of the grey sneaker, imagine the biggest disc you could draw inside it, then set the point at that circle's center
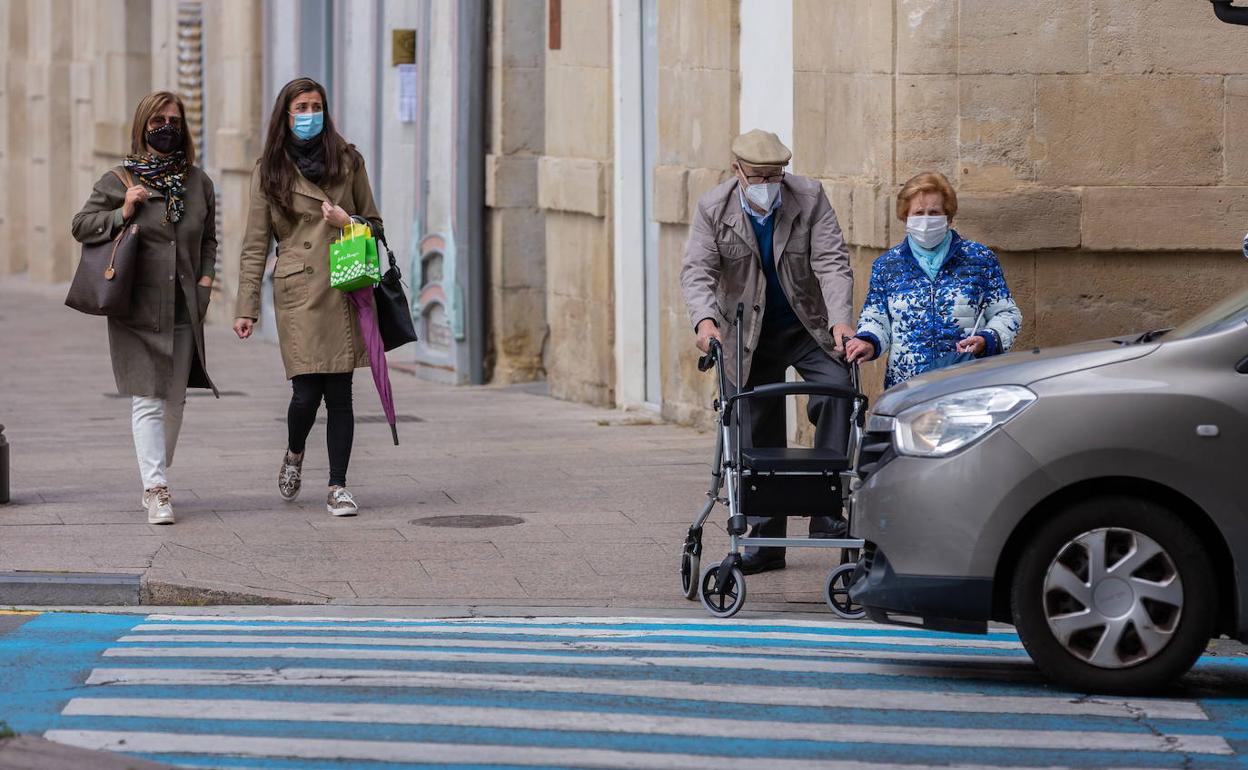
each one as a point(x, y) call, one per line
point(340, 502)
point(289, 478)
point(159, 506)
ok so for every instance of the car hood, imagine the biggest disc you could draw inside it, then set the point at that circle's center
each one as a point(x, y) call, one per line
point(1020, 368)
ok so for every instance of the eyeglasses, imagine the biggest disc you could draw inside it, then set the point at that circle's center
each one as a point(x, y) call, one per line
point(769, 178)
point(302, 108)
point(158, 121)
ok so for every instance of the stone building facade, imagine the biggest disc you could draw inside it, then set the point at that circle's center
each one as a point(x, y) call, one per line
point(1099, 146)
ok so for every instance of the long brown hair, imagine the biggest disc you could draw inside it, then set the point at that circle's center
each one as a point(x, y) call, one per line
point(277, 168)
point(150, 105)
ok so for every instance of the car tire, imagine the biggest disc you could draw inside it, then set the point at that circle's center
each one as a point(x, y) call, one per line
point(1158, 627)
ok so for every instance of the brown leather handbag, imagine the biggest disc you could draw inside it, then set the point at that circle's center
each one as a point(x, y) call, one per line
point(104, 279)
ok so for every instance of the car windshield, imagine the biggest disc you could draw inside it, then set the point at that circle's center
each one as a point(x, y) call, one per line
point(1229, 312)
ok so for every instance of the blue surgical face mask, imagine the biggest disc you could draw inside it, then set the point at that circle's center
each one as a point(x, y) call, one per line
point(308, 124)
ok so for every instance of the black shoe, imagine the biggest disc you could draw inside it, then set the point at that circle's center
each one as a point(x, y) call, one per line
point(754, 563)
point(828, 527)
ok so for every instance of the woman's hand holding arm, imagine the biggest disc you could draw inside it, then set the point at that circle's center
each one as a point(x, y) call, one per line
point(336, 216)
point(976, 345)
point(858, 349)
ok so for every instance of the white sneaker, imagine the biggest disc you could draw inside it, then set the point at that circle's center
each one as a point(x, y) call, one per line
point(159, 506)
point(340, 502)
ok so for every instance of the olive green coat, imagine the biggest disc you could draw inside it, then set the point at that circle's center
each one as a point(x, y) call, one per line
point(316, 324)
point(170, 256)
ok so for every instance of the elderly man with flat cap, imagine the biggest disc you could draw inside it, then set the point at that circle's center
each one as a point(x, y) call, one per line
point(770, 240)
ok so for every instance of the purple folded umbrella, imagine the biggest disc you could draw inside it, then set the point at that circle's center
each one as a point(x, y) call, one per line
point(362, 299)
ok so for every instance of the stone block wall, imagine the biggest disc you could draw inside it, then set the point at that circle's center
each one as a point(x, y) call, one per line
point(573, 179)
point(1099, 147)
point(698, 115)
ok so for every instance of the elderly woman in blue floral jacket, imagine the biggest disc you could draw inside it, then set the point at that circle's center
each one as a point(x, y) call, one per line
point(935, 295)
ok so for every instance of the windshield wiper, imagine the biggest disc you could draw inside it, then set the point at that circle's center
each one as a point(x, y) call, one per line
point(1150, 336)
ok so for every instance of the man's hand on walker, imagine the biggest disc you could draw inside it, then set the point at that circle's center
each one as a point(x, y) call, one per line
point(707, 331)
point(858, 349)
point(839, 333)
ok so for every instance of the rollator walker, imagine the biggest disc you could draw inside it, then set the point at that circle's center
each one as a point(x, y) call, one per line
point(772, 481)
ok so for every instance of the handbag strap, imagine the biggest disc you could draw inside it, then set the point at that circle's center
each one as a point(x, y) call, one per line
point(380, 235)
point(127, 181)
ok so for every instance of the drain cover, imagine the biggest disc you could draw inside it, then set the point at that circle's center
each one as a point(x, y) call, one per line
point(469, 522)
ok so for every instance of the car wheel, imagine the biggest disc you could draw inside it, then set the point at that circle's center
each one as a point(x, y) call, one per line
point(1114, 594)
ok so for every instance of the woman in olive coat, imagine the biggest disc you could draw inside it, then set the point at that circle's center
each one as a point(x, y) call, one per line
point(158, 349)
point(307, 185)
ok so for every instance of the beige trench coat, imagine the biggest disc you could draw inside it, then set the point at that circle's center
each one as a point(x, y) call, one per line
point(316, 325)
point(723, 267)
point(141, 343)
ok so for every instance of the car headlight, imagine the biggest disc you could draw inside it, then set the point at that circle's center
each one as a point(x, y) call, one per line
point(944, 425)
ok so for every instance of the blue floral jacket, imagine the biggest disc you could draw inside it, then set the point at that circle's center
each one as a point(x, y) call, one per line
point(918, 320)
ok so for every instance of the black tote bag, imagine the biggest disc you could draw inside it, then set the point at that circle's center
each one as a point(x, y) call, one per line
point(104, 279)
point(394, 315)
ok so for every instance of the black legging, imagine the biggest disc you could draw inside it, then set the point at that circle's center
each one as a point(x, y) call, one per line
point(309, 389)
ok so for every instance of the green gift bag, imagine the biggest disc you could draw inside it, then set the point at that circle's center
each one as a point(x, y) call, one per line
point(353, 261)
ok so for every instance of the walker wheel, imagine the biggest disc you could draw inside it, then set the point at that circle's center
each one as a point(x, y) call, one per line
point(836, 593)
point(690, 563)
point(728, 603)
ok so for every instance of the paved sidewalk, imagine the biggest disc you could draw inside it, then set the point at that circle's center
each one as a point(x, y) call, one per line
point(604, 497)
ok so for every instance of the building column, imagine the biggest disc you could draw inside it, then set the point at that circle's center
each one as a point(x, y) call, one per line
point(234, 115)
point(49, 188)
point(123, 74)
point(516, 226)
point(82, 79)
point(13, 210)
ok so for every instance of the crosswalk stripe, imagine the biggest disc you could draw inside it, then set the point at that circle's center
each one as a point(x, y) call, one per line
point(921, 641)
point(615, 722)
point(949, 656)
point(446, 753)
point(551, 621)
point(735, 663)
point(902, 700)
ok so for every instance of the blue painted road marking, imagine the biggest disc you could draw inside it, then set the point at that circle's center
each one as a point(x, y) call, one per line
point(587, 692)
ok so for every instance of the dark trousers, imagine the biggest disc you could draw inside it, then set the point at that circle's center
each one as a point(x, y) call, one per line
point(308, 390)
point(763, 420)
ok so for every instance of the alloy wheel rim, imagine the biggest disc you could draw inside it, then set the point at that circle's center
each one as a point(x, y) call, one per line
point(1113, 597)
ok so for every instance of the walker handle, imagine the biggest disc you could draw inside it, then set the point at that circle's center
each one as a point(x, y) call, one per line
point(713, 353)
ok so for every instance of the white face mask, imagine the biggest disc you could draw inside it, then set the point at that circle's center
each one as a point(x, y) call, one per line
point(762, 195)
point(928, 232)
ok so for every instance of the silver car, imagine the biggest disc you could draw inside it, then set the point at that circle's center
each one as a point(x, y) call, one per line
point(1094, 495)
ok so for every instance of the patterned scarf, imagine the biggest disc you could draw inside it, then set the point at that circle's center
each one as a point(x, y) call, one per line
point(167, 174)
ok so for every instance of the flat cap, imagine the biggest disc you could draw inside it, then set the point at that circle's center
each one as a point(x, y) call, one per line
point(761, 148)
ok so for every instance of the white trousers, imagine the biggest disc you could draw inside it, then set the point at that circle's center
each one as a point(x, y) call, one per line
point(157, 421)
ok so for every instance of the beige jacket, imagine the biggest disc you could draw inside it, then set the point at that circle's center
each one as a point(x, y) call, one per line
point(171, 256)
point(316, 325)
point(722, 265)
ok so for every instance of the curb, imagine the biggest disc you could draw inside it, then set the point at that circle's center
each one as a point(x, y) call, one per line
point(26, 752)
point(42, 588)
point(22, 588)
point(161, 593)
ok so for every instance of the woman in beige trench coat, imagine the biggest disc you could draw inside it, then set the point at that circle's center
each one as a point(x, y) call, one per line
point(158, 349)
point(307, 185)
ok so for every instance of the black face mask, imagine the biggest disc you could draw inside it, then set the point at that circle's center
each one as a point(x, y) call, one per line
point(165, 139)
